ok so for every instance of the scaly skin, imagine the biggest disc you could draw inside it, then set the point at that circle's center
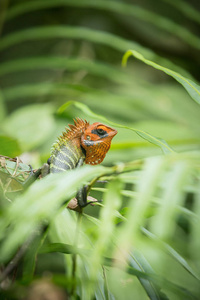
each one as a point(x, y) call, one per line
point(67, 152)
point(81, 143)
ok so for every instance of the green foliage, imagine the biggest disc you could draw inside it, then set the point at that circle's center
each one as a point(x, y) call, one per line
point(60, 60)
point(192, 88)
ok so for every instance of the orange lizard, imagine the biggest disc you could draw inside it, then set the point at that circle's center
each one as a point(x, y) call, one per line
point(81, 143)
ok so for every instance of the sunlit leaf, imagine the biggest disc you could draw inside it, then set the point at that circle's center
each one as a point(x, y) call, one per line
point(31, 125)
point(191, 87)
point(9, 146)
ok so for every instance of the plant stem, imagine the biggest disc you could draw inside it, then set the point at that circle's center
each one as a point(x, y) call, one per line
point(74, 256)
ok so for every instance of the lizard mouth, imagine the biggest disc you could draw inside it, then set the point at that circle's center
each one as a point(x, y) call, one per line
point(96, 141)
point(114, 132)
point(96, 150)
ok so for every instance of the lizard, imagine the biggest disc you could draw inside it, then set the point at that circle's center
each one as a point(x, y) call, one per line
point(78, 144)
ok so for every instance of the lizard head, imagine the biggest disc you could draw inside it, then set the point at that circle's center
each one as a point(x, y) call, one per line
point(96, 141)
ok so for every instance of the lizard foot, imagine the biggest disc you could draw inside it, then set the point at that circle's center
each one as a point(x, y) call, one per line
point(73, 203)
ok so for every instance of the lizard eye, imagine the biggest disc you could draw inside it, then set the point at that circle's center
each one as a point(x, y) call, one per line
point(100, 131)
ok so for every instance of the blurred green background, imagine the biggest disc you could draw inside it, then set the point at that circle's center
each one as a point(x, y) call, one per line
point(55, 51)
point(52, 52)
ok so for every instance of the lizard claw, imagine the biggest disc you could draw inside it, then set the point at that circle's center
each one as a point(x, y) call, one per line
point(92, 200)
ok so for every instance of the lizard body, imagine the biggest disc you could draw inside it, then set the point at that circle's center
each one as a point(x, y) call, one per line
point(80, 143)
point(67, 152)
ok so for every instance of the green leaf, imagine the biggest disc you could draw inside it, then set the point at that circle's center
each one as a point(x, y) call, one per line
point(40, 202)
point(39, 125)
point(30, 258)
point(62, 248)
point(191, 87)
point(171, 251)
point(2, 108)
point(137, 261)
point(151, 174)
point(150, 138)
point(185, 8)
point(63, 63)
point(14, 167)
point(13, 176)
point(171, 196)
point(9, 146)
point(99, 37)
point(112, 200)
point(134, 11)
point(46, 32)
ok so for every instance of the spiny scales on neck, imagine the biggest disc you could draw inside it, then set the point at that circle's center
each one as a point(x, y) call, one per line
point(67, 151)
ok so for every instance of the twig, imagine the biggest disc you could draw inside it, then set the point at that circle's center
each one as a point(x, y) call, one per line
point(13, 263)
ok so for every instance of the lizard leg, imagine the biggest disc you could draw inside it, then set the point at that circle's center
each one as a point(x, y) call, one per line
point(82, 196)
point(31, 178)
point(45, 169)
point(42, 172)
point(82, 193)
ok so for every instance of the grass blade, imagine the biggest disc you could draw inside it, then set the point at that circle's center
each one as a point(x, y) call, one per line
point(40, 202)
point(135, 11)
point(191, 87)
point(59, 62)
point(94, 36)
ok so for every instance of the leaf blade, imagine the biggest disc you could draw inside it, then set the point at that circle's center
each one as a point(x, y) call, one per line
point(191, 87)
